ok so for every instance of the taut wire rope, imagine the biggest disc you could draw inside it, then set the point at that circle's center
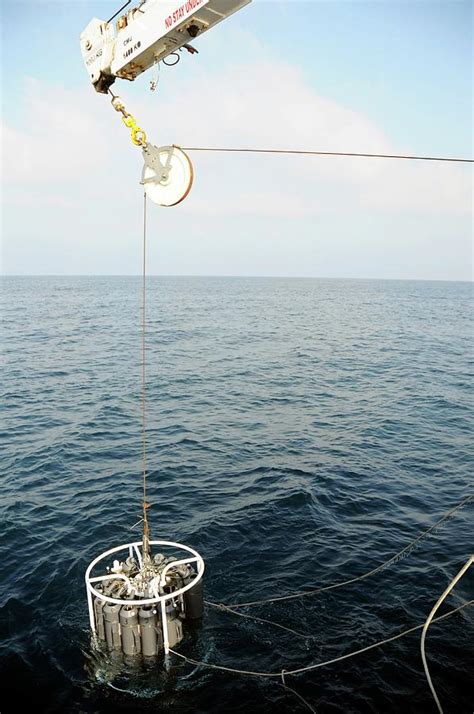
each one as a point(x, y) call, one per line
point(146, 532)
point(297, 152)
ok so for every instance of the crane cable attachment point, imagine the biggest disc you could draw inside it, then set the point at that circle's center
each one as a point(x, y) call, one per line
point(167, 175)
point(137, 135)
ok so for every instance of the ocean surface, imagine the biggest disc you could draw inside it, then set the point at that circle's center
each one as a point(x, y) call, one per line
point(300, 432)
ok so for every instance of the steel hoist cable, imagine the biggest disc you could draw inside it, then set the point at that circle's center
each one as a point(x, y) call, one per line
point(297, 152)
point(146, 531)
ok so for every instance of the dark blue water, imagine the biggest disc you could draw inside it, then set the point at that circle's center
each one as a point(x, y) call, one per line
point(300, 432)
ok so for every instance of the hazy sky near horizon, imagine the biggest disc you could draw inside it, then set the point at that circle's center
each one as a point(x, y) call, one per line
point(387, 77)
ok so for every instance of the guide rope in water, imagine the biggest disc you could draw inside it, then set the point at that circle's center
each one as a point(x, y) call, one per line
point(333, 586)
point(429, 620)
point(318, 665)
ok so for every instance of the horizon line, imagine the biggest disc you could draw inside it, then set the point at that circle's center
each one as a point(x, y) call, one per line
point(202, 275)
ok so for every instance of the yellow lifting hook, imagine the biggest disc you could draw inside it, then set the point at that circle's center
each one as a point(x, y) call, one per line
point(138, 136)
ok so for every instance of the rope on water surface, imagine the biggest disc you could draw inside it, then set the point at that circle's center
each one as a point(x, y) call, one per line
point(225, 608)
point(429, 619)
point(300, 670)
point(325, 588)
point(302, 699)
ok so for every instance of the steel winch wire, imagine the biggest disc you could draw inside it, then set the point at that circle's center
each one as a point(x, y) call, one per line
point(298, 152)
point(146, 532)
point(118, 11)
point(318, 590)
point(256, 151)
point(333, 586)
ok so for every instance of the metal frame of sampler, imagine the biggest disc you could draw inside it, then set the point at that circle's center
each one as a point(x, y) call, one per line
point(138, 607)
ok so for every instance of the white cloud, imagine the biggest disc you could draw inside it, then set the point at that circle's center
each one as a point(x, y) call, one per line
point(75, 135)
point(270, 105)
point(63, 139)
point(72, 163)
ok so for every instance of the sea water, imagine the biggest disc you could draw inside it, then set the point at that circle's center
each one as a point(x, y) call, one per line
point(300, 432)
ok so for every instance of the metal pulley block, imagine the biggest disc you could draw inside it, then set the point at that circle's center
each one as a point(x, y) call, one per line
point(167, 175)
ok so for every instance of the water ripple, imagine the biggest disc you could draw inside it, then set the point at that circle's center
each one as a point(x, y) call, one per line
point(300, 432)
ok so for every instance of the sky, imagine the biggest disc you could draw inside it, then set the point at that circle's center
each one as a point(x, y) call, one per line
point(385, 77)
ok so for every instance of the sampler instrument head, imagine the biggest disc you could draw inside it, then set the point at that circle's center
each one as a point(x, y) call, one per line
point(140, 605)
point(167, 175)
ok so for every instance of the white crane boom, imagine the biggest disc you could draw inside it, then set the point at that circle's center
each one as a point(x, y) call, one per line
point(145, 35)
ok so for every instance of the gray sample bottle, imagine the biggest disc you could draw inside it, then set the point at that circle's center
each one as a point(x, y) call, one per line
point(194, 601)
point(130, 630)
point(150, 626)
point(99, 618)
point(112, 626)
point(175, 628)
